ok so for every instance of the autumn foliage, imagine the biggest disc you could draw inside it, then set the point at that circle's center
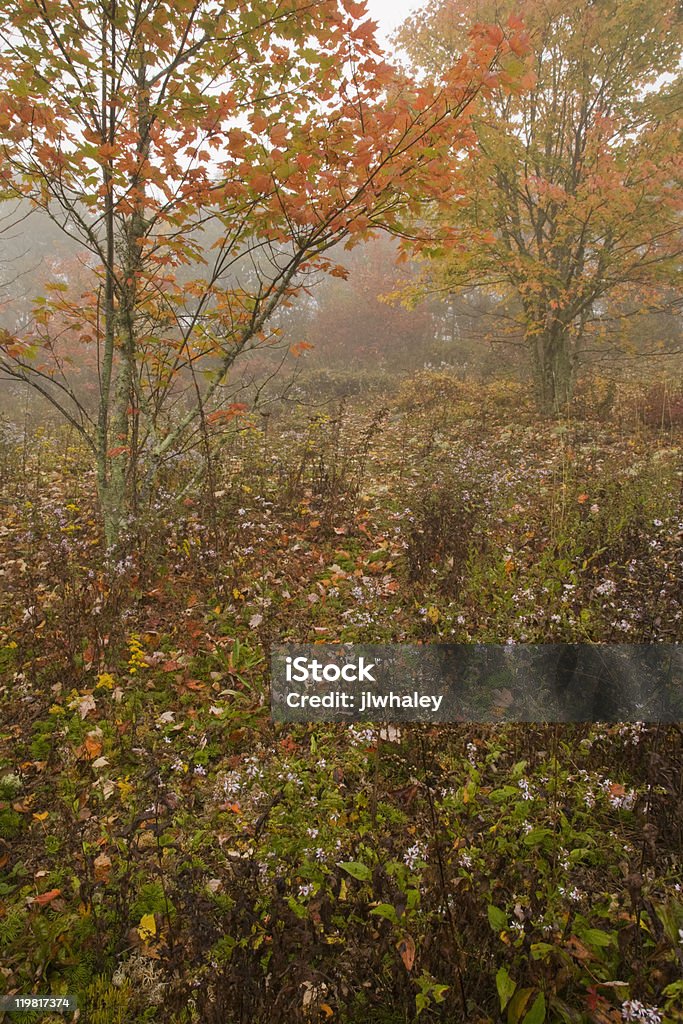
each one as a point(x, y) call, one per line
point(571, 203)
point(276, 129)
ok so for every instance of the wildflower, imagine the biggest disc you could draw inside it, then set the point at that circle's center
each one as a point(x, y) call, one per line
point(414, 854)
point(633, 1009)
point(526, 792)
point(362, 736)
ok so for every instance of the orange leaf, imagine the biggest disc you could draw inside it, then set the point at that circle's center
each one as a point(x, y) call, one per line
point(494, 34)
point(258, 123)
point(92, 746)
point(47, 897)
point(582, 498)
point(278, 134)
point(235, 409)
point(300, 346)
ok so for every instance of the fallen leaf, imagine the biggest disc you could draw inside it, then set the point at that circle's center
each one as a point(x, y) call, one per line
point(46, 897)
point(93, 744)
point(102, 865)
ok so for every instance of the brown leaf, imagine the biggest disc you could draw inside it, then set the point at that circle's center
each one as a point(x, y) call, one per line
point(406, 947)
point(577, 949)
point(102, 867)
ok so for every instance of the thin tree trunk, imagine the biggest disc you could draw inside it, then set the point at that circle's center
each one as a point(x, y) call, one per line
point(107, 496)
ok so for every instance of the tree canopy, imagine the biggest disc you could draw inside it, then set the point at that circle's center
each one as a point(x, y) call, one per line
point(571, 201)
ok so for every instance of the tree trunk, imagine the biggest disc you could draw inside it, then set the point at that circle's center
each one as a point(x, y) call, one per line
point(554, 369)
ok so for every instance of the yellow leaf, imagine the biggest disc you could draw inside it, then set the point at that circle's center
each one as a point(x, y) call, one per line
point(147, 928)
point(327, 1009)
point(42, 816)
point(433, 614)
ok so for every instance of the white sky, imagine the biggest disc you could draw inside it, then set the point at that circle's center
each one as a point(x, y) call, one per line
point(390, 13)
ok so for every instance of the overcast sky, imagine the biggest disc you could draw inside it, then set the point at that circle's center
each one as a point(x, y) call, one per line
point(390, 13)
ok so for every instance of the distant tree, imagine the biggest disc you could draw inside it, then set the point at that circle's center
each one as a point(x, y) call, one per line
point(137, 124)
point(574, 191)
point(348, 324)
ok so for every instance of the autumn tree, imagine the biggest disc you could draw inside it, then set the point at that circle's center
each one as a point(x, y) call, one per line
point(137, 124)
point(573, 193)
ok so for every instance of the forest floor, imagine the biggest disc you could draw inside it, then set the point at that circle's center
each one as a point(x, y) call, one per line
point(168, 853)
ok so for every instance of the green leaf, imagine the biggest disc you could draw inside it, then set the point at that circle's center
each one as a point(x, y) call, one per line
point(506, 987)
point(297, 908)
point(497, 918)
point(518, 1004)
point(504, 793)
point(536, 1014)
point(357, 870)
point(541, 950)
point(537, 836)
point(596, 937)
point(387, 911)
